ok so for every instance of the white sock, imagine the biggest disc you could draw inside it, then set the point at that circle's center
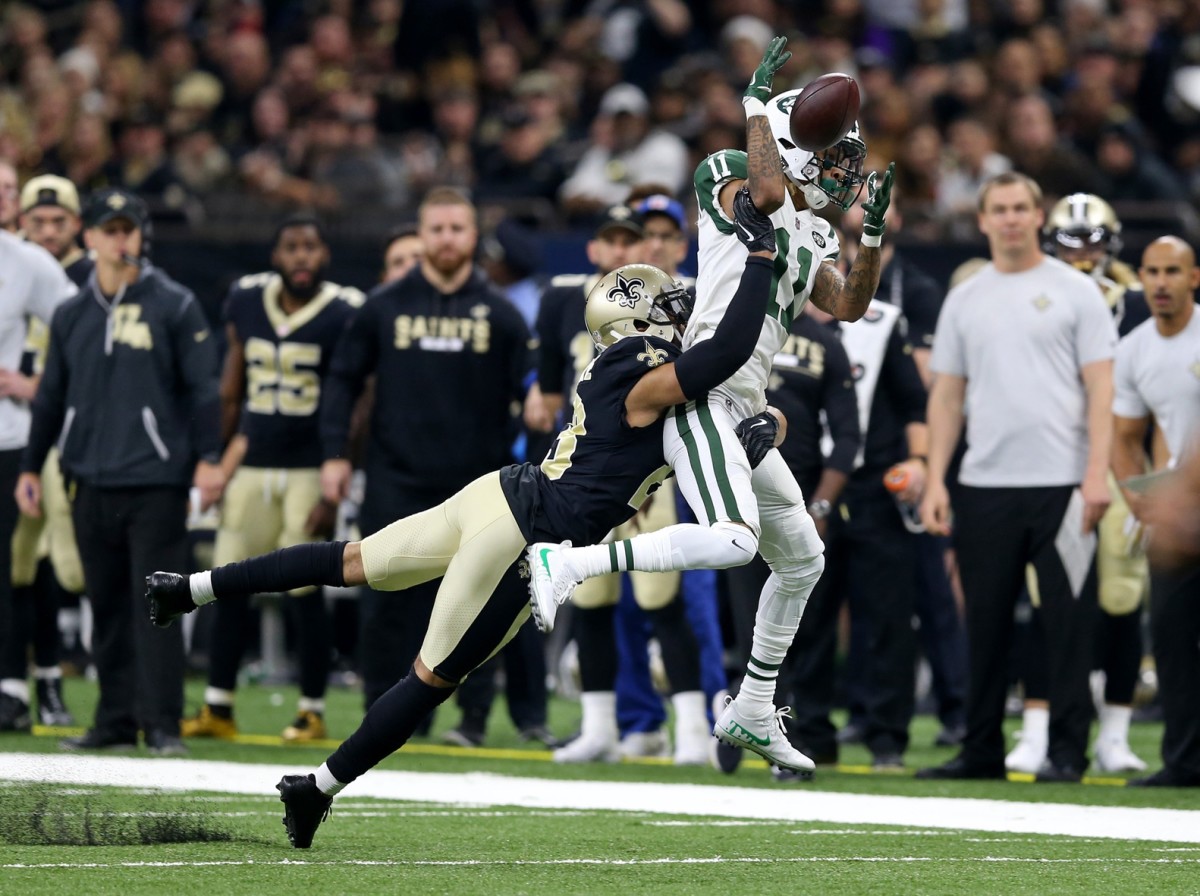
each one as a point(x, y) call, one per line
point(326, 782)
point(691, 712)
point(599, 720)
point(1035, 726)
point(312, 704)
point(775, 624)
point(202, 588)
point(218, 697)
point(1114, 723)
point(15, 687)
point(47, 673)
point(678, 547)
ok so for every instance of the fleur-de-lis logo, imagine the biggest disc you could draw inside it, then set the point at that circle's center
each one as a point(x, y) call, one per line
point(652, 356)
point(624, 291)
point(116, 201)
point(1041, 303)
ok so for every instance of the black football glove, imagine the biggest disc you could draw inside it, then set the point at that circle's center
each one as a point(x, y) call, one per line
point(757, 435)
point(754, 229)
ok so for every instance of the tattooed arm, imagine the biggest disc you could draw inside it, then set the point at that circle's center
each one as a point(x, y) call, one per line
point(847, 298)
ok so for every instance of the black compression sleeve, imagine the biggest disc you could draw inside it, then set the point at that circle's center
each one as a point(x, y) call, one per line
point(710, 363)
point(318, 563)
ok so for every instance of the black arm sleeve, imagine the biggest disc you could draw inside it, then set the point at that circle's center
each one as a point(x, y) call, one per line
point(840, 403)
point(353, 359)
point(49, 404)
point(704, 366)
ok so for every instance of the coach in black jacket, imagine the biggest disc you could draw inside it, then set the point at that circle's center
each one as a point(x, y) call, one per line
point(130, 395)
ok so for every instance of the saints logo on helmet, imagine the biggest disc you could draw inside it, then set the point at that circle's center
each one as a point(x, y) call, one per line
point(636, 300)
point(1082, 230)
point(830, 175)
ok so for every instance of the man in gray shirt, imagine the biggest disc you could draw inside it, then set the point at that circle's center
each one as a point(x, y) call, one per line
point(1157, 374)
point(1024, 351)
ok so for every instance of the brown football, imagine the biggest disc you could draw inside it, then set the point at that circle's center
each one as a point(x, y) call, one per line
point(824, 112)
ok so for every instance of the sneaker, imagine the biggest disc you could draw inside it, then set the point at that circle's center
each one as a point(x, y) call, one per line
point(170, 597)
point(1027, 756)
point(1050, 773)
point(207, 723)
point(14, 714)
point(1166, 778)
point(539, 734)
point(589, 749)
point(52, 711)
point(549, 585)
point(160, 743)
point(95, 739)
point(1116, 756)
point(307, 726)
point(646, 744)
point(764, 735)
point(959, 769)
point(463, 736)
point(304, 808)
point(951, 736)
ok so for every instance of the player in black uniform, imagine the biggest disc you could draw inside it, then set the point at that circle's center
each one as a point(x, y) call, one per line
point(597, 476)
point(281, 327)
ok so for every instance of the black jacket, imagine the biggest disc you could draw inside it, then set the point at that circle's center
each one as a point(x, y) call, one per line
point(130, 389)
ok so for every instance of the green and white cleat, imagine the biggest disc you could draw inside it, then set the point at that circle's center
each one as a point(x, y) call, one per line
point(550, 584)
point(763, 735)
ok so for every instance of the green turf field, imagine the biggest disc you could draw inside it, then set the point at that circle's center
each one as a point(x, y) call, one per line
point(453, 839)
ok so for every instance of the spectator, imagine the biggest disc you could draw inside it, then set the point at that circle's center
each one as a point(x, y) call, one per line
point(131, 354)
point(34, 285)
point(972, 159)
point(1036, 150)
point(627, 148)
point(1134, 172)
point(1018, 501)
point(10, 195)
point(402, 253)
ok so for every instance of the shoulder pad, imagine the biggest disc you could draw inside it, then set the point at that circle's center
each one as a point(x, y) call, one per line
point(569, 279)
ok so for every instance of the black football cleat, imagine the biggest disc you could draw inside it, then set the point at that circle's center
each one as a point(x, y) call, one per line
point(170, 597)
point(304, 808)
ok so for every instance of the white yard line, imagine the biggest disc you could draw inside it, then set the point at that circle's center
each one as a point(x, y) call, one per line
point(479, 789)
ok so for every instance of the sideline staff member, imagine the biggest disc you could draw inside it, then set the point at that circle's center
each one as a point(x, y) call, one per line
point(130, 393)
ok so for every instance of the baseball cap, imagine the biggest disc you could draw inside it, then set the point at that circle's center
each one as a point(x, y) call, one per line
point(627, 98)
point(49, 189)
point(107, 205)
point(659, 204)
point(620, 217)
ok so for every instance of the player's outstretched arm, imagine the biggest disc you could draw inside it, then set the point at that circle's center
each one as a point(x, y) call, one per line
point(714, 360)
point(847, 298)
point(764, 170)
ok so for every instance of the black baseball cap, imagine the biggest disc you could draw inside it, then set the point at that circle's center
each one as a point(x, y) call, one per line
point(107, 205)
point(620, 217)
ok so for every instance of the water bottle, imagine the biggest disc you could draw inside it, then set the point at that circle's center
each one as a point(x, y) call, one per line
point(896, 480)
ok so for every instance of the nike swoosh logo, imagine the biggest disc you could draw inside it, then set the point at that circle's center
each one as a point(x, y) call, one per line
point(759, 423)
point(738, 546)
point(742, 228)
point(545, 564)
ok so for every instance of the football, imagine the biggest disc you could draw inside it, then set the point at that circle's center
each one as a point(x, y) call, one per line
point(824, 112)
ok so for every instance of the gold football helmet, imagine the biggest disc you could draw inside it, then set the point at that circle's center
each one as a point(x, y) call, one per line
point(1082, 230)
point(636, 300)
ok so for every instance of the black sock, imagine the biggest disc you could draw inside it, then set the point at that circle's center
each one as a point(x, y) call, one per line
point(319, 563)
point(597, 648)
point(315, 652)
point(680, 652)
point(387, 726)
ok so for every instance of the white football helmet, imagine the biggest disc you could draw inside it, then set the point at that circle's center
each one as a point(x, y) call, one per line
point(636, 300)
point(833, 174)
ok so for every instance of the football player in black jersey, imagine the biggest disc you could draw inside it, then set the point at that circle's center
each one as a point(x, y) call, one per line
point(281, 326)
point(596, 476)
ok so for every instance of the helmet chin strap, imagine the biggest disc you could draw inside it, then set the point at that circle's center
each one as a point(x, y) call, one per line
point(816, 198)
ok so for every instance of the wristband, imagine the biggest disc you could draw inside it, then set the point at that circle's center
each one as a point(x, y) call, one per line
point(871, 241)
point(753, 106)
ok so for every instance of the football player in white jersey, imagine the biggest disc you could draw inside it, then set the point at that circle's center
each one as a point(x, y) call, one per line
point(761, 509)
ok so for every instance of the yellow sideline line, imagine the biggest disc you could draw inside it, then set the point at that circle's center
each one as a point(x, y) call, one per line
point(447, 750)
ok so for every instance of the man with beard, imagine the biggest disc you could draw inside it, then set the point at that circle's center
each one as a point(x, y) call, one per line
point(449, 354)
point(282, 326)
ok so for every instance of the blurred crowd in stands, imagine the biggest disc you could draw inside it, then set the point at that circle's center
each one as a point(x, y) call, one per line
point(546, 108)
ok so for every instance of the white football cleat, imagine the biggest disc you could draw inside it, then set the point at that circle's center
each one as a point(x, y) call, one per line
point(589, 749)
point(763, 735)
point(550, 584)
point(1116, 756)
point(641, 744)
point(1027, 756)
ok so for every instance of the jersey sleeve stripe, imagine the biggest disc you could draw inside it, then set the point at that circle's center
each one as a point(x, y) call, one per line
point(711, 175)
